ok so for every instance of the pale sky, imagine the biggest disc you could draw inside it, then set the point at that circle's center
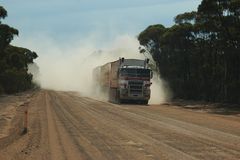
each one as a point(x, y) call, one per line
point(67, 19)
point(67, 33)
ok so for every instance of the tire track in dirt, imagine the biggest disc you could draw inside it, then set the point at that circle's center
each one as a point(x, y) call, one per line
point(166, 151)
point(211, 145)
point(64, 125)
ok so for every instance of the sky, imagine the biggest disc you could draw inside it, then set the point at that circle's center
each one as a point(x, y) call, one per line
point(69, 20)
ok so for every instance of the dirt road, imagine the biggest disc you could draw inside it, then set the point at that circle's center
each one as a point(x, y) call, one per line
point(64, 125)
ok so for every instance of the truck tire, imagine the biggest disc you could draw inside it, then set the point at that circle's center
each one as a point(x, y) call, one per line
point(145, 102)
point(119, 101)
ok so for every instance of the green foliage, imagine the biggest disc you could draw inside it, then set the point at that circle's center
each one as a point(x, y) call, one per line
point(13, 61)
point(187, 17)
point(15, 80)
point(3, 13)
point(151, 37)
point(7, 33)
point(200, 55)
point(1, 89)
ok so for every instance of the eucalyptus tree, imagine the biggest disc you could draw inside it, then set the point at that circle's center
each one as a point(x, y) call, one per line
point(199, 55)
point(14, 76)
point(6, 32)
point(220, 23)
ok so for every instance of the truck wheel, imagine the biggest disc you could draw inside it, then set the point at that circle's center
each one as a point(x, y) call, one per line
point(145, 102)
point(118, 100)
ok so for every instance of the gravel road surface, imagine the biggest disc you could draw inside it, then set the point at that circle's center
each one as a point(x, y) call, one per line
point(65, 125)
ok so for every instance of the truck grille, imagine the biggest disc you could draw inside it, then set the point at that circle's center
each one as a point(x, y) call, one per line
point(135, 87)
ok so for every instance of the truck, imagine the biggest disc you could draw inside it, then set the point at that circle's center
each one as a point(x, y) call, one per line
point(125, 80)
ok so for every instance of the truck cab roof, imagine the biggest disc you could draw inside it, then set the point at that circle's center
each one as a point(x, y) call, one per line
point(133, 63)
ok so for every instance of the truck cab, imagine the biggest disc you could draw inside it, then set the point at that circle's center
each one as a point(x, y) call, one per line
point(134, 80)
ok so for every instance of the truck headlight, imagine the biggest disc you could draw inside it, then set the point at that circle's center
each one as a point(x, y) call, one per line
point(123, 84)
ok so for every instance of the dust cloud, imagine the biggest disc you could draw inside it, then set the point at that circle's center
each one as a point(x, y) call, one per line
point(66, 68)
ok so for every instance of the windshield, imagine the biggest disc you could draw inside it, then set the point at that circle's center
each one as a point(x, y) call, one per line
point(135, 72)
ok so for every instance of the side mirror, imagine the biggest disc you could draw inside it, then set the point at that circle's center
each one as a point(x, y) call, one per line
point(121, 60)
point(147, 60)
point(151, 74)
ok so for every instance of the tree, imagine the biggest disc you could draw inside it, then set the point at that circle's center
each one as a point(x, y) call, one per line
point(6, 33)
point(150, 38)
point(3, 13)
point(14, 76)
point(200, 54)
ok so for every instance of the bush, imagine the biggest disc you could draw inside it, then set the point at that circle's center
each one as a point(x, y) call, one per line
point(16, 81)
point(1, 90)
